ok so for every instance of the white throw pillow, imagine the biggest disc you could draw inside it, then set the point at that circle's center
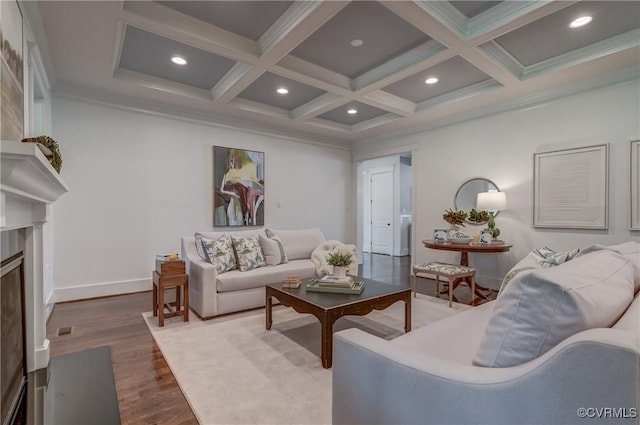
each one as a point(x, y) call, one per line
point(298, 243)
point(541, 308)
point(273, 250)
point(220, 253)
point(248, 252)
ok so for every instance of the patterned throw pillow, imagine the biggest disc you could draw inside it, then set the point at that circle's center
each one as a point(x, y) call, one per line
point(220, 253)
point(547, 257)
point(200, 246)
point(248, 252)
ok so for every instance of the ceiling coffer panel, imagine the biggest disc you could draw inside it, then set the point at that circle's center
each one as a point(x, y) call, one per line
point(383, 34)
point(364, 113)
point(250, 19)
point(265, 90)
point(551, 36)
point(452, 74)
point(151, 54)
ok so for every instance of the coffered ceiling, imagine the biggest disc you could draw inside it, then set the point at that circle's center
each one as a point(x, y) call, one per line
point(353, 70)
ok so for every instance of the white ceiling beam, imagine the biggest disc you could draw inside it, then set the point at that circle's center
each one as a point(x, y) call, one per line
point(374, 122)
point(330, 125)
point(415, 14)
point(260, 108)
point(285, 36)
point(389, 102)
point(237, 71)
point(309, 73)
point(400, 64)
point(510, 15)
point(315, 107)
point(458, 95)
point(610, 46)
point(161, 84)
point(153, 17)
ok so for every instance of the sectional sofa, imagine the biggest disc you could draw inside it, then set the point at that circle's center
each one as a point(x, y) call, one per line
point(560, 345)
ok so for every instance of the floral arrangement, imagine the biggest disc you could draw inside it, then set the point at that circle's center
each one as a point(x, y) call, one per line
point(56, 157)
point(339, 259)
point(454, 218)
point(478, 216)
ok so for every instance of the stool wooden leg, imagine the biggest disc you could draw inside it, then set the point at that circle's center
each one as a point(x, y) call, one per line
point(413, 283)
point(438, 285)
point(186, 301)
point(178, 304)
point(155, 300)
point(473, 289)
point(450, 293)
point(161, 306)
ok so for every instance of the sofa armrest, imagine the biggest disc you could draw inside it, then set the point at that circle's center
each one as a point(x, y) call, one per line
point(202, 280)
point(375, 382)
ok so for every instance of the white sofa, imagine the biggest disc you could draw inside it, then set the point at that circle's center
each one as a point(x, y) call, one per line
point(212, 294)
point(428, 376)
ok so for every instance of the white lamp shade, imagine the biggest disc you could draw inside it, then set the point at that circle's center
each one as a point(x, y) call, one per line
point(488, 201)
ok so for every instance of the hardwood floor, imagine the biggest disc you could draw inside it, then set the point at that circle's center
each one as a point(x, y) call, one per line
point(147, 390)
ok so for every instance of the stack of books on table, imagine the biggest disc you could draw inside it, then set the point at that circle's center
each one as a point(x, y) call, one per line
point(291, 282)
point(340, 285)
point(336, 282)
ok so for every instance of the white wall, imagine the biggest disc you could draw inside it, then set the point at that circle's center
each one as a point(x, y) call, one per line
point(501, 148)
point(139, 182)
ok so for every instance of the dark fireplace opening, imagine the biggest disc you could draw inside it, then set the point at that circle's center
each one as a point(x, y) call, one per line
point(13, 360)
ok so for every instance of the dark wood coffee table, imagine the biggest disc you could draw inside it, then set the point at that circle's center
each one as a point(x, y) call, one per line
point(328, 307)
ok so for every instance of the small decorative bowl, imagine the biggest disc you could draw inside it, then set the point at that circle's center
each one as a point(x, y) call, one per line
point(461, 241)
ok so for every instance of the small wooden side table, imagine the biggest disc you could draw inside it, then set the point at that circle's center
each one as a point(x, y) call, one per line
point(181, 305)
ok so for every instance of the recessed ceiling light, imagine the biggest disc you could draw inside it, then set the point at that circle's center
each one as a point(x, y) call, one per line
point(352, 111)
point(179, 60)
point(581, 21)
point(282, 90)
point(431, 80)
point(356, 42)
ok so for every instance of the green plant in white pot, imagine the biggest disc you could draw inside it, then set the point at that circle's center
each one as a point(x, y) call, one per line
point(340, 262)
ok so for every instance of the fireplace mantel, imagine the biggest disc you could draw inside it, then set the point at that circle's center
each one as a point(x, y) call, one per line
point(28, 185)
point(28, 182)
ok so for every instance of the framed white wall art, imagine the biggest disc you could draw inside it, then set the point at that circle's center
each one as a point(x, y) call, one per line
point(570, 188)
point(635, 185)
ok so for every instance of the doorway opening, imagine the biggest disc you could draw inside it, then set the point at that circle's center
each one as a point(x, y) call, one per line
point(385, 205)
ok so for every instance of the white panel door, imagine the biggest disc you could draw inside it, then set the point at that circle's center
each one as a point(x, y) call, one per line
point(382, 213)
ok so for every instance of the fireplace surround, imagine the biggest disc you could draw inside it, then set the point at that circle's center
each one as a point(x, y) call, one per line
point(28, 187)
point(13, 365)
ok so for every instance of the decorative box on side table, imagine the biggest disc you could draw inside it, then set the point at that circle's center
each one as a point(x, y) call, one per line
point(170, 274)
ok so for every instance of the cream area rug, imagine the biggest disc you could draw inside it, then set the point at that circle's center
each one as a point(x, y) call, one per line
point(233, 371)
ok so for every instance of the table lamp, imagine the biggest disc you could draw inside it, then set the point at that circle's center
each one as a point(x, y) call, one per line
point(492, 202)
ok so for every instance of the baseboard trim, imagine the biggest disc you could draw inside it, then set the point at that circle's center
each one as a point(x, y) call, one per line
point(101, 290)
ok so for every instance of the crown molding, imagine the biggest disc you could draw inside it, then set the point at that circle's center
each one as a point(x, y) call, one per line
point(168, 111)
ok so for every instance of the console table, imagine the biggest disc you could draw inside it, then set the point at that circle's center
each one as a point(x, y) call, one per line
point(464, 250)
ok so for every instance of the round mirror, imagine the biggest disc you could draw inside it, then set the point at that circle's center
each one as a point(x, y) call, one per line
point(467, 195)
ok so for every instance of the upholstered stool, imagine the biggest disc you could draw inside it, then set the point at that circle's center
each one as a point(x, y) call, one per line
point(451, 272)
